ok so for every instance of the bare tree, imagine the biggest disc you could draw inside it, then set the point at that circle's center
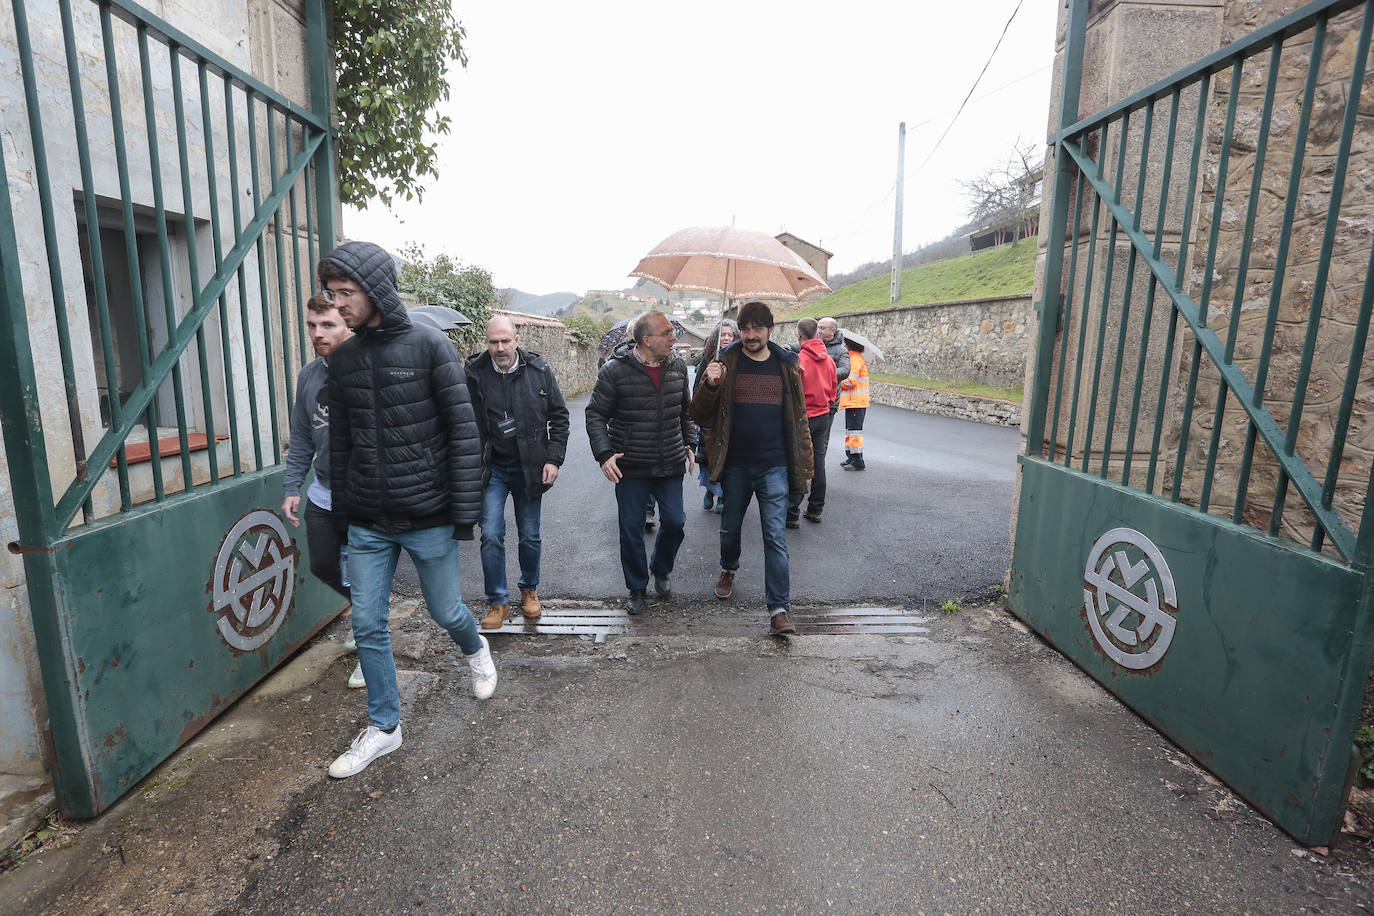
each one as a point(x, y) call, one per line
point(1001, 197)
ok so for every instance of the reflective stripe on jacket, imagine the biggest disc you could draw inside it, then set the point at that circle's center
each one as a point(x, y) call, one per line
point(854, 390)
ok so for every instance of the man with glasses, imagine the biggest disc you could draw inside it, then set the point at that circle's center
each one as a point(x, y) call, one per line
point(643, 439)
point(405, 472)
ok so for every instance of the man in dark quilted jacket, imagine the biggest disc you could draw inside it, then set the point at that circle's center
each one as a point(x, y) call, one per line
point(641, 436)
point(405, 472)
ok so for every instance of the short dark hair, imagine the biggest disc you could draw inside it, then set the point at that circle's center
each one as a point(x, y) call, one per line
point(330, 269)
point(318, 303)
point(806, 328)
point(755, 315)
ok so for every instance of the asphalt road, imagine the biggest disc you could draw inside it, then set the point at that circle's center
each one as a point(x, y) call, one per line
point(927, 521)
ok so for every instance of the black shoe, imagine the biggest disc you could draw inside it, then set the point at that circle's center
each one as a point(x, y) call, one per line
point(708, 502)
point(663, 586)
point(814, 517)
point(634, 605)
point(793, 520)
point(847, 459)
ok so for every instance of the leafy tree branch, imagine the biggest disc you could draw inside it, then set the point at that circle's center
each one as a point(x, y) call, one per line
point(392, 63)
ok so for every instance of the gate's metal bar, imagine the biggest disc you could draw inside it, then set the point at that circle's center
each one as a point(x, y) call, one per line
point(281, 261)
point(164, 258)
point(1294, 23)
point(1352, 379)
point(88, 201)
point(205, 302)
point(1054, 246)
point(1205, 297)
point(133, 14)
point(1200, 121)
point(226, 347)
point(1116, 224)
point(309, 246)
point(1147, 320)
point(59, 298)
point(1086, 312)
point(1129, 285)
point(263, 298)
point(245, 327)
point(1242, 270)
point(1341, 537)
point(1333, 213)
point(149, 408)
point(1281, 254)
point(207, 404)
point(1067, 320)
point(296, 262)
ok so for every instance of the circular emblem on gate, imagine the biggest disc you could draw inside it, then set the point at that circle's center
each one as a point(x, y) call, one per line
point(1128, 593)
point(254, 579)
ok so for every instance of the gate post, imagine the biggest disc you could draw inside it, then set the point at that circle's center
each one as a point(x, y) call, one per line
point(321, 59)
point(1052, 282)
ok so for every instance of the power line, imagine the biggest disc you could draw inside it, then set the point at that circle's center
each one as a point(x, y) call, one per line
point(981, 73)
point(991, 92)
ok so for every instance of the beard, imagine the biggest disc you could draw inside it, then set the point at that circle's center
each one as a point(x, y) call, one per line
point(754, 346)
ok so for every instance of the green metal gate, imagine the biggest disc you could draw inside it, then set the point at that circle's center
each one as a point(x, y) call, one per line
point(1194, 526)
point(160, 210)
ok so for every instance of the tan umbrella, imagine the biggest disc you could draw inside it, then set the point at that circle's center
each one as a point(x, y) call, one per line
point(734, 264)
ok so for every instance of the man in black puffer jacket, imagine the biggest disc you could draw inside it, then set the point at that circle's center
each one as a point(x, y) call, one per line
point(405, 472)
point(643, 439)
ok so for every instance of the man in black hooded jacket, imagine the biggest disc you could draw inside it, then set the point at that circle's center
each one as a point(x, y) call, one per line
point(405, 472)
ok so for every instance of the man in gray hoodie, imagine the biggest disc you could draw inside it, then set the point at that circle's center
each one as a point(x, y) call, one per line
point(310, 444)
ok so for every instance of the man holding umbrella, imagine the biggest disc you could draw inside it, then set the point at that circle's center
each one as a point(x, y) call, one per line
point(643, 438)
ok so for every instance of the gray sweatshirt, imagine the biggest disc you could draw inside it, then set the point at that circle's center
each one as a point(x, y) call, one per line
point(310, 433)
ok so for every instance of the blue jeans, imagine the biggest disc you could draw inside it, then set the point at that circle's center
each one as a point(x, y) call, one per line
point(372, 557)
point(704, 479)
point(770, 486)
point(633, 496)
point(508, 479)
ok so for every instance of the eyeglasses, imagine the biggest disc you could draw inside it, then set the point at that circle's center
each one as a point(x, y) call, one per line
point(668, 333)
point(334, 295)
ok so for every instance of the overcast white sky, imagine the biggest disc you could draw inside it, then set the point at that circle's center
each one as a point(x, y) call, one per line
point(585, 133)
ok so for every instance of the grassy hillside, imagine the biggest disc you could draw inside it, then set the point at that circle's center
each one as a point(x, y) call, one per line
point(1003, 271)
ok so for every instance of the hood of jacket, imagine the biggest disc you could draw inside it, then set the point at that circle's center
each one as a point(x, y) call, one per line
point(374, 270)
point(814, 350)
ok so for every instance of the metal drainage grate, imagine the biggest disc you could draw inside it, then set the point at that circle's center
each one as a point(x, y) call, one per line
point(602, 622)
point(576, 621)
point(868, 620)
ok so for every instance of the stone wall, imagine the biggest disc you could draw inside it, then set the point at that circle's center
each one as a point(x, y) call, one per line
point(975, 340)
point(948, 404)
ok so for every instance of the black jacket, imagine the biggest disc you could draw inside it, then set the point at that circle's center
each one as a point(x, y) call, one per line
point(541, 417)
point(649, 425)
point(404, 447)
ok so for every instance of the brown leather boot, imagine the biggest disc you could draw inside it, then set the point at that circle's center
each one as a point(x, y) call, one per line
point(496, 616)
point(725, 585)
point(779, 625)
point(529, 604)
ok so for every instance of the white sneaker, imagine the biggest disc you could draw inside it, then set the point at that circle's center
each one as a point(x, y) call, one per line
point(483, 671)
point(356, 678)
point(370, 744)
point(350, 644)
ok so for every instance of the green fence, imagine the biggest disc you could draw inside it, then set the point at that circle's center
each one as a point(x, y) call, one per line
point(1199, 441)
point(156, 252)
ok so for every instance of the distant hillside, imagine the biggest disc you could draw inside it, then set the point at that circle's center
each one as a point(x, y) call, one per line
point(1002, 271)
point(538, 305)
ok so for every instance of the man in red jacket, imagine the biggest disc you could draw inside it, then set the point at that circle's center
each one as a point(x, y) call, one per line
point(819, 384)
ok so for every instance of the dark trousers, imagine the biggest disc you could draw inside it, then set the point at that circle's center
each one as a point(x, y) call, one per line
point(634, 495)
point(819, 428)
point(324, 545)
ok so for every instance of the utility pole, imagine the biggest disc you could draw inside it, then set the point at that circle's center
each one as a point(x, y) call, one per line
point(897, 229)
